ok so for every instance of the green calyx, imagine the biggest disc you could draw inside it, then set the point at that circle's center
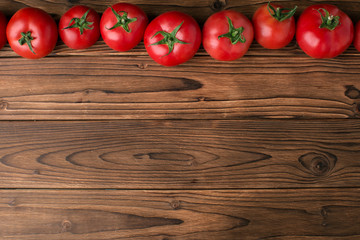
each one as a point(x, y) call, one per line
point(122, 21)
point(279, 13)
point(80, 23)
point(26, 38)
point(328, 21)
point(169, 39)
point(235, 34)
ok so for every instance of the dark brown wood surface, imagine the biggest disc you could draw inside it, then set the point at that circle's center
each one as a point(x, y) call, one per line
point(160, 215)
point(97, 144)
point(180, 154)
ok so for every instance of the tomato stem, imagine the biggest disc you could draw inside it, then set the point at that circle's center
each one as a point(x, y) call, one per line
point(80, 23)
point(169, 39)
point(279, 13)
point(26, 38)
point(328, 21)
point(235, 34)
point(122, 21)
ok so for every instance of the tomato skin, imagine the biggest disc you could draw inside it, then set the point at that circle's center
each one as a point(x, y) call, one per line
point(357, 36)
point(71, 36)
point(189, 32)
point(117, 38)
point(222, 49)
point(42, 27)
point(3, 23)
point(270, 32)
point(321, 42)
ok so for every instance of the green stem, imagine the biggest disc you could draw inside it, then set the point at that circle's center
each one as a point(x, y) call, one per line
point(80, 23)
point(26, 38)
point(328, 21)
point(122, 21)
point(169, 39)
point(235, 34)
point(279, 13)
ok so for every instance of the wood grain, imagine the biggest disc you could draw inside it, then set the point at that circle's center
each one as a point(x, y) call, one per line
point(263, 84)
point(169, 215)
point(180, 154)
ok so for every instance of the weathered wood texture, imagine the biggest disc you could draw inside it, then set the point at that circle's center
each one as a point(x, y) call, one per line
point(180, 154)
point(168, 215)
point(99, 83)
point(264, 84)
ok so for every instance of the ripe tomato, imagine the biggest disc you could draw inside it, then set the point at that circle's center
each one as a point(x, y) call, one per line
point(79, 27)
point(227, 35)
point(32, 33)
point(324, 31)
point(172, 38)
point(274, 26)
point(357, 36)
point(3, 23)
point(122, 26)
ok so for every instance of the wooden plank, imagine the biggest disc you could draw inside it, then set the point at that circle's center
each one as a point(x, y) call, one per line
point(180, 154)
point(169, 215)
point(132, 86)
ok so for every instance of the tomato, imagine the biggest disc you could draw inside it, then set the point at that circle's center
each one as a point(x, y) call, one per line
point(172, 38)
point(357, 36)
point(324, 31)
point(122, 26)
point(227, 35)
point(79, 27)
point(274, 26)
point(32, 33)
point(3, 23)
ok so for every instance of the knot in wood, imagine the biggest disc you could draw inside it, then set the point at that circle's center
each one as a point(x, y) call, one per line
point(12, 203)
point(142, 65)
point(218, 5)
point(175, 204)
point(3, 105)
point(65, 225)
point(352, 92)
point(318, 164)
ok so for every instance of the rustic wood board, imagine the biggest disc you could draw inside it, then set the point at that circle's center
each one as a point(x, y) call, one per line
point(80, 86)
point(171, 215)
point(180, 154)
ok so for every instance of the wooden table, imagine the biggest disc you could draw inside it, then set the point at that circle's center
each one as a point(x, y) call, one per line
point(97, 144)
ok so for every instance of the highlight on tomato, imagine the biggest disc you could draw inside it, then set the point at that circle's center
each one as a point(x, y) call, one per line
point(227, 35)
point(172, 38)
point(122, 26)
point(274, 25)
point(324, 31)
point(32, 33)
point(79, 27)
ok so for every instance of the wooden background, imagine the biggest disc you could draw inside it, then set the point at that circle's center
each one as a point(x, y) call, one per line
point(96, 144)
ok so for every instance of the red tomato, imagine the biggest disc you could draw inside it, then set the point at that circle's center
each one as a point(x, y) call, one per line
point(274, 26)
point(122, 26)
point(172, 38)
point(357, 36)
point(79, 27)
point(32, 33)
point(3, 23)
point(227, 35)
point(324, 31)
